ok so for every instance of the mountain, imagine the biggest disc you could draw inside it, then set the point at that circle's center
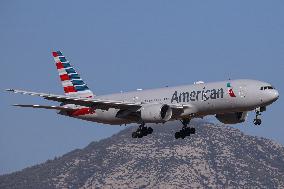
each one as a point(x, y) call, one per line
point(217, 156)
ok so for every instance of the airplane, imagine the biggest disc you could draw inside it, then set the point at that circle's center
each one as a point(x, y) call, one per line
point(230, 101)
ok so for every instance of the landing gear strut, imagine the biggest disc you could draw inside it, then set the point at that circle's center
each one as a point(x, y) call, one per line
point(142, 131)
point(257, 120)
point(185, 131)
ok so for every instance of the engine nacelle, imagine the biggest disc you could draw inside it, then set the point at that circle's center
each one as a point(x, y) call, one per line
point(232, 118)
point(156, 113)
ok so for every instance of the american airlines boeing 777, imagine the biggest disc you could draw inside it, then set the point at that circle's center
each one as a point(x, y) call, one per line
point(229, 101)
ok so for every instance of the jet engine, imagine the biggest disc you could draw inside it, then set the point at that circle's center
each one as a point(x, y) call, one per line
point(156, 113)
point(232, 118)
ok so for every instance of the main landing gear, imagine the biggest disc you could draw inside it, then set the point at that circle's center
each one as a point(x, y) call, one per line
point(142, 131)
point(257, 120)
point(185, 131)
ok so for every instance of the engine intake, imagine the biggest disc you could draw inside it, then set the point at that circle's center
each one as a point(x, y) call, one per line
point(156, 113)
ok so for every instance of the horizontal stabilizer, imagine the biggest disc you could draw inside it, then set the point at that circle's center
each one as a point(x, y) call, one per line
point(44, 107)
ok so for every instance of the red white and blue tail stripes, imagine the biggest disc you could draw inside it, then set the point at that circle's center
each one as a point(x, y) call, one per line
point(71, 81)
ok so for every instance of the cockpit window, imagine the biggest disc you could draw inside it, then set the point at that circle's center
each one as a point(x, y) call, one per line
point(266, 87)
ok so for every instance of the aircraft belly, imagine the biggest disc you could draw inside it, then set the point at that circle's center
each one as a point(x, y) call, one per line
point(104, 116)
point(224, 105)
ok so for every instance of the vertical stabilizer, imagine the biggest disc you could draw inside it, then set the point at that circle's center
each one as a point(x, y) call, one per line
point(71, 81)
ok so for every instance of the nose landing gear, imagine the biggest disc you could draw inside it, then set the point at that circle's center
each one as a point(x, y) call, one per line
point(142, 131)
point(185, 131)
point(257, 120)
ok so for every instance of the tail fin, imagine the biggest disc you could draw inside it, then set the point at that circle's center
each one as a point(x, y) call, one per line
point(71, 81)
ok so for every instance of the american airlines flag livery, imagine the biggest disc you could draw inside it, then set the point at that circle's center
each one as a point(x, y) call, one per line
point(229, 101)
point(72, 83)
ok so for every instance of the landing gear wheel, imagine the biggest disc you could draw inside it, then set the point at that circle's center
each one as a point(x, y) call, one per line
point(185, 131)
point(192, 130)
point(177, 135)
point(150, 130)
point(134, 135)
point(140, 135)
point(257, 120)
point(142, 131)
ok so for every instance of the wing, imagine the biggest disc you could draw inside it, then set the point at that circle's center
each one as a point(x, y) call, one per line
point(45, 107)
point(88, 102)
point(128, 108)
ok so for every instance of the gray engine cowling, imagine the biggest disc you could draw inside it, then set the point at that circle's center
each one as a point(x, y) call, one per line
point(232, 118)
point(156, 113)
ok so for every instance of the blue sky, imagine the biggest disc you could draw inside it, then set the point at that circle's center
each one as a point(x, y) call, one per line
point(124, 45)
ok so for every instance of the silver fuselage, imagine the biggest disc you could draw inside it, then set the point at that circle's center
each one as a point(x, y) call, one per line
point(202, 99)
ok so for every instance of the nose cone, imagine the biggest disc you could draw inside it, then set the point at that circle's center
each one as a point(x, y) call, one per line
point(274, 95)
